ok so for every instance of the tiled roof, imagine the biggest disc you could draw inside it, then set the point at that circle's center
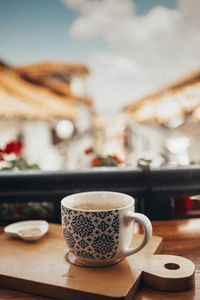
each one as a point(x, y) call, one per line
point(54, 76)
point(176, 100)
point(22, 98)
point(50, 67)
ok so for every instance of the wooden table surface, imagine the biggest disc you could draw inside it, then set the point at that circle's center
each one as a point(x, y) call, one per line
point(180, 237)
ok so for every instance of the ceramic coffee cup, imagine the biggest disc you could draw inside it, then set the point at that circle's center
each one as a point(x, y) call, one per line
point(98, 226)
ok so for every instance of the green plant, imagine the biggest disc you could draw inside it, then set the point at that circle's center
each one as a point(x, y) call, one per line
point(7, 209)
point(38, 209)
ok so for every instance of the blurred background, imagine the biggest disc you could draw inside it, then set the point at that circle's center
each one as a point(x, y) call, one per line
point(89, 83)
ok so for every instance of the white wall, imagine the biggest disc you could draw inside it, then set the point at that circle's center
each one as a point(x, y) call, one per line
point(38, 146)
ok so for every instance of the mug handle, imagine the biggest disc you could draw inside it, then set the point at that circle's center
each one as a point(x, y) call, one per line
point(147, 228)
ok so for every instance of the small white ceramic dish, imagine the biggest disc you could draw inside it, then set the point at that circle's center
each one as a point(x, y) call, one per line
point(28, 230)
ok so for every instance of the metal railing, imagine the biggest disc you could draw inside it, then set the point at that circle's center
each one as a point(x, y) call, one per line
point(152, 188)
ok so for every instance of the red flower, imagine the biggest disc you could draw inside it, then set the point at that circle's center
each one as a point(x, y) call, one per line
point(182, 204)
point(89, 150)
point(116, 157)
point(13, 147)
point(96, 161)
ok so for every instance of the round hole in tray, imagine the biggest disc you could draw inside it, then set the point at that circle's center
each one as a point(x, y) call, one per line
point(172, 266)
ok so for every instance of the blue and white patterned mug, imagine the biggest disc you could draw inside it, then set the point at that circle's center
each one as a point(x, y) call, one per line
point(98, 226)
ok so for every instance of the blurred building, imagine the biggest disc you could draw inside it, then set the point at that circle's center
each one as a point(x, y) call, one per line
point(165, 125)
point(46, 106)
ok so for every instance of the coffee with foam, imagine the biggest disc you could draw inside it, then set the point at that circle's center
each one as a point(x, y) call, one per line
point(97, 206)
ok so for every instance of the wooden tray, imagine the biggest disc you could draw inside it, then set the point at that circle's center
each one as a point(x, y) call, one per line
point(40, 268)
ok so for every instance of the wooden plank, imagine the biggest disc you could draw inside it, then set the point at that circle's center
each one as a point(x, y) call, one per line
point(176, 235)
point(41, 268)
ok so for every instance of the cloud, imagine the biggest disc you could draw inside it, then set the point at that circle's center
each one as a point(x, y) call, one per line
point(101, 18)
point(145, 52)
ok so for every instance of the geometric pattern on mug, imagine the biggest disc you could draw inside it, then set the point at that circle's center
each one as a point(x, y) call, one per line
point(82, 225)
point(103, 244)
point(69, 238)
point(66, 220)
point(63, 211)
point(93, 235)
point(83, 243)
point(102, 214)
point(103, 226)
point(115, 224)
point(85, 254)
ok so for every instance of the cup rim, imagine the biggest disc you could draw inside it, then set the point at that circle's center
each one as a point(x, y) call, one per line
point(132, 201)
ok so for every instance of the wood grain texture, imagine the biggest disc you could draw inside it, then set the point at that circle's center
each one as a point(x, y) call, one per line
point(169, 273)
point(180, 238)
point(40, 267)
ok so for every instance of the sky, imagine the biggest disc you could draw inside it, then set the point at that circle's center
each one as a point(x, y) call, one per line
point(131, 47)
